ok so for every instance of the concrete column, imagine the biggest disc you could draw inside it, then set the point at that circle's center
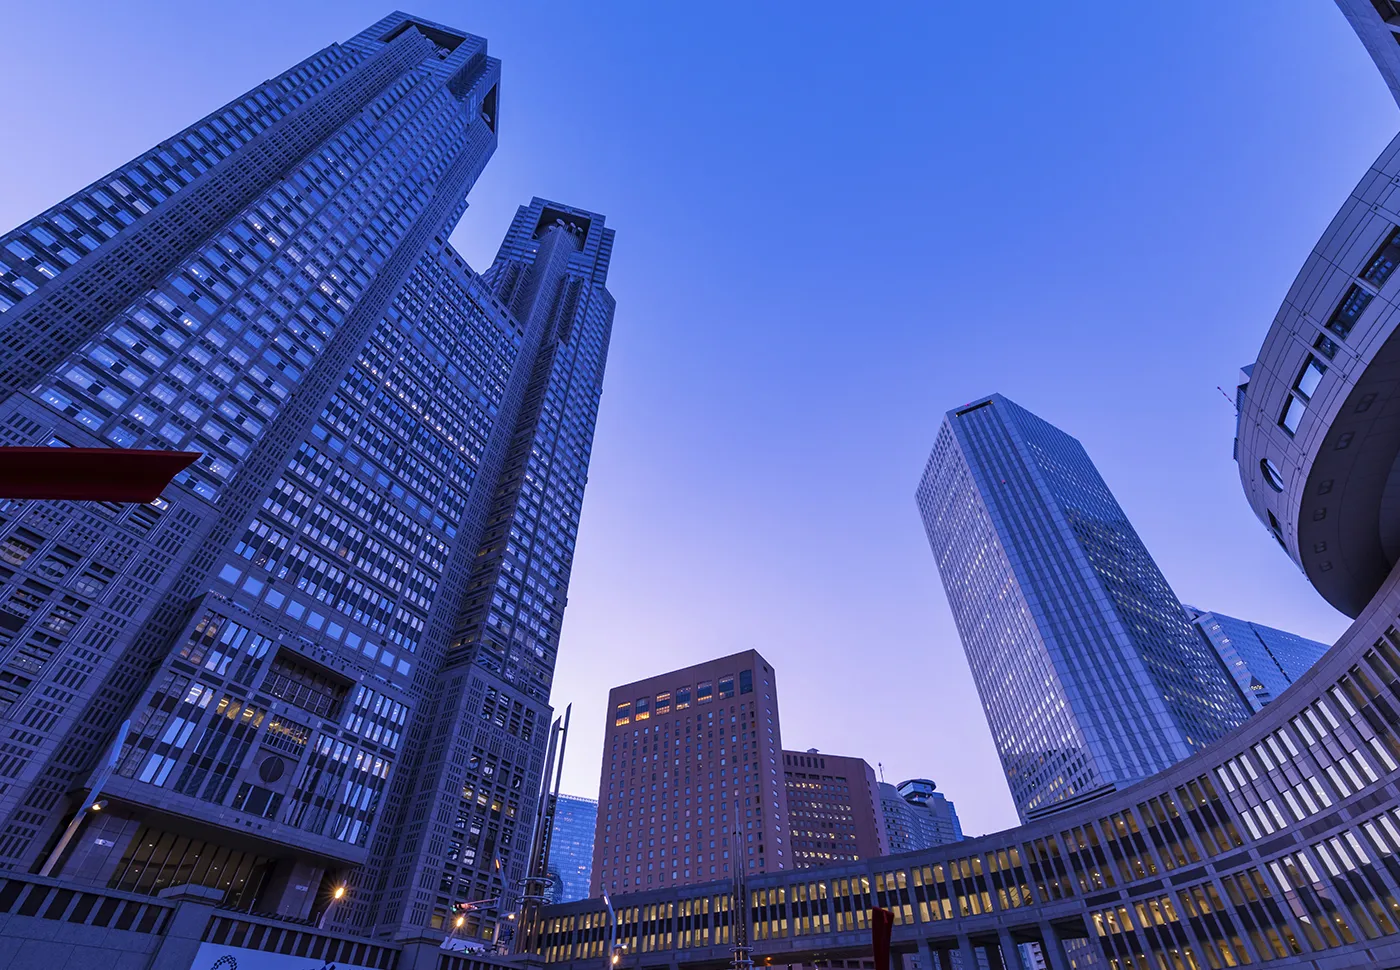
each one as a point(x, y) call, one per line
point(291, 889)
point(421, 952)
point(180, 943)
point(926, 958)
point(1010, 953)
point(1052, 949)
point(994, 957)
point(968, 952)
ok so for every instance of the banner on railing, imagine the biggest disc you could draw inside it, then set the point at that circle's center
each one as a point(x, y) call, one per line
point(214, 956)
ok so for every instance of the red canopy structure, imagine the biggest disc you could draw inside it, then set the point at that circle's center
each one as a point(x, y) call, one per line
point(89, 474)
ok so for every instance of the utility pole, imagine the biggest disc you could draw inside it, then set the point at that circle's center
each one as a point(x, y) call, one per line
point(739, 922)
point(739, 904)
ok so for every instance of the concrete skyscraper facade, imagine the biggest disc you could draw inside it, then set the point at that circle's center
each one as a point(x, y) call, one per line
point(917, 816)
point(833, 809)
point(571, 847)
point(334, 635)
point(691, 781)
point(1262, 660)
point(1090, 675)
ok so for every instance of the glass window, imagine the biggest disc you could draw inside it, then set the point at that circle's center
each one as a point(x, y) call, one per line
point(746, 682)
point(1350, 310)
point(1271, 475)
point(1292, 415)
point(682, 698)
point(704, 693)
point(1307, 382)
point(663, 702)
point(726, 687)
point(624, 713)
point(643, 708)
point(1383, 263)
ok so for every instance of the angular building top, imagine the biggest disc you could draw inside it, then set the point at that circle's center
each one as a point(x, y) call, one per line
point(1089, 674)
point(1262, 660)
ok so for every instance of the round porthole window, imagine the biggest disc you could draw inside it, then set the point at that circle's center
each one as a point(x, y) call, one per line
point(1271, 475)
point(271, 769)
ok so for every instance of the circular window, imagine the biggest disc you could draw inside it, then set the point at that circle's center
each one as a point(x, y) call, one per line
point(271, 769)
point(1271, 475)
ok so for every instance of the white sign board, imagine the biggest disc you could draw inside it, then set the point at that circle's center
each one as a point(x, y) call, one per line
point(214, 956)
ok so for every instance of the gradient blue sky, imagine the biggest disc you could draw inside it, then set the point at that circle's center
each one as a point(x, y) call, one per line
point(836, 222)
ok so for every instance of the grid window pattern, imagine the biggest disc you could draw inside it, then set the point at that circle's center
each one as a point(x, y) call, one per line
point(693, 795)
point(1088, 670)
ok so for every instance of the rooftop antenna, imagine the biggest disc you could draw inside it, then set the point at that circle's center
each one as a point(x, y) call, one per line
point(881, 765)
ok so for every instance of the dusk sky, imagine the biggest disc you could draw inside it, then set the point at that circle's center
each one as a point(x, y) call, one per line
point(835, 223)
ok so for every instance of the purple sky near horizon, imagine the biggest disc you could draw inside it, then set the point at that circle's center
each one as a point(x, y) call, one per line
point(834, 223)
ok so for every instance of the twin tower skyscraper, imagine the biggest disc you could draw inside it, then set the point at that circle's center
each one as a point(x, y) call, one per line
point(334, 635)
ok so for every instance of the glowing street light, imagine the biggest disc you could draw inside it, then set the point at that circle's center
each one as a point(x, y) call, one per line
point(337, 894)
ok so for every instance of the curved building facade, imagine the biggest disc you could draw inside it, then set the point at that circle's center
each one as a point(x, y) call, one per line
point(917, 816)
point(1377, 23)
point(1318, 439)
point(1277, 846)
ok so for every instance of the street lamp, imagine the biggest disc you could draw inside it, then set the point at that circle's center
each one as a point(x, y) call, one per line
point(93, 802)
point(614, 951)
point(337, 894)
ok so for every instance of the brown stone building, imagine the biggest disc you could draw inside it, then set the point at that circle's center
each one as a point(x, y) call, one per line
point(690, 783)
point(833, 809)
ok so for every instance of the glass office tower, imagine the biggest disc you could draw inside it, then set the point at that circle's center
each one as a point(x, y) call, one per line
point(374, 547)
point(571, 847)
point(1088, 671)
point(1264, 661)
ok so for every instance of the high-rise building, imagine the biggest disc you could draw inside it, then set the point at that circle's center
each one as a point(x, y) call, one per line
point(490, 697)
point(917, 816)
point(1263, 660)
point(1089, 673)
point(833, 809)
point(690, 784)
point(571, 847)
point(333, 636)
